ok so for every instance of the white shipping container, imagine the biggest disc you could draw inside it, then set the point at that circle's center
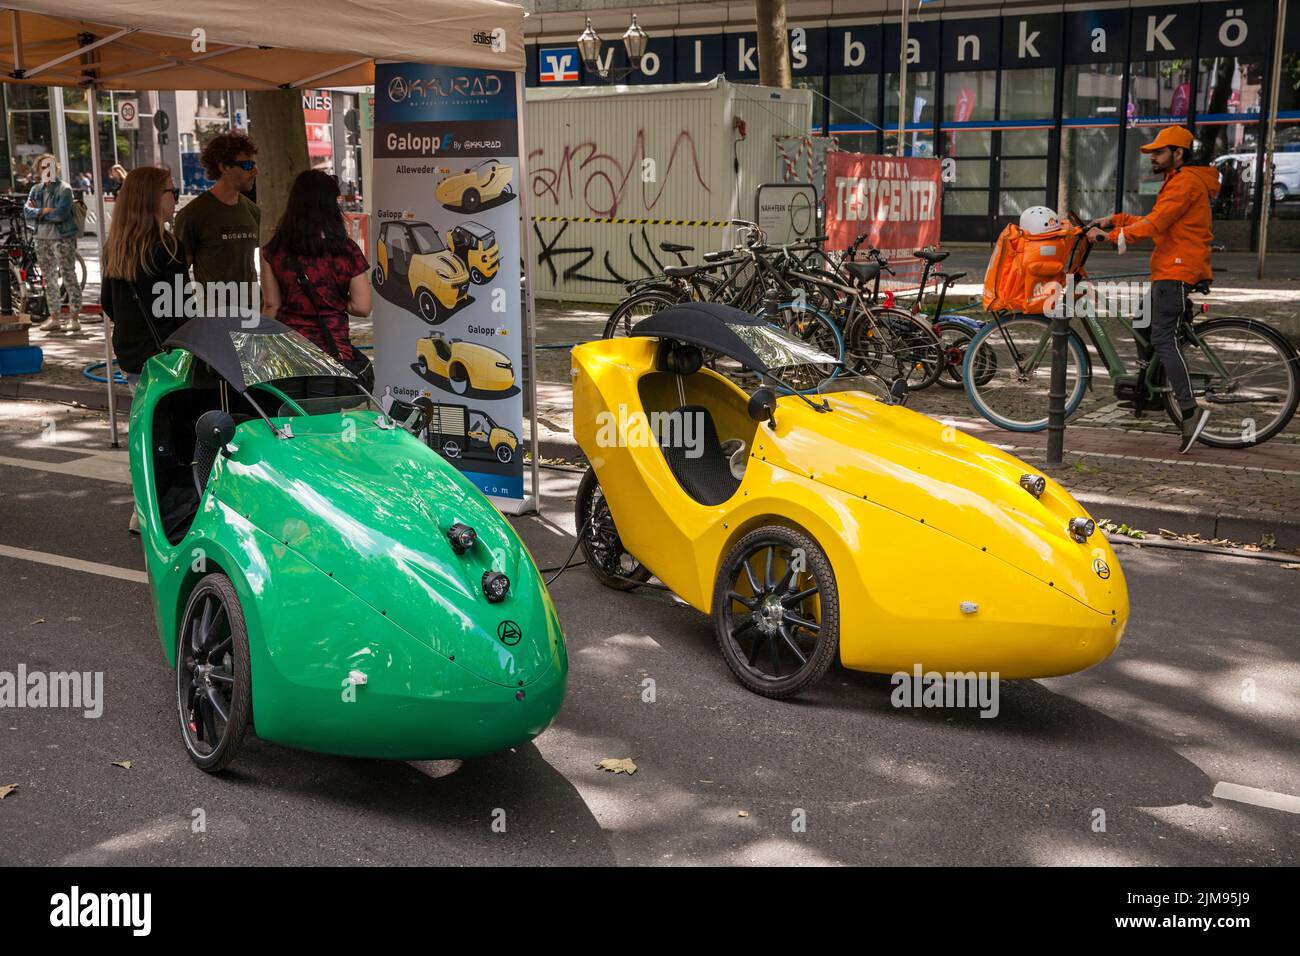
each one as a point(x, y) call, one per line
point(691, 154)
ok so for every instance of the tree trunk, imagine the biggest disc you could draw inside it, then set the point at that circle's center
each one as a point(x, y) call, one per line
point(773, 52)
point(277, 127)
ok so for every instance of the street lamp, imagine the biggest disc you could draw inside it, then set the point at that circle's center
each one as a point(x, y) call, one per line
point(634, 41)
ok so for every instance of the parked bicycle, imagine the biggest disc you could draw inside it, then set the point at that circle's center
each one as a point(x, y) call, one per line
point(18, 247)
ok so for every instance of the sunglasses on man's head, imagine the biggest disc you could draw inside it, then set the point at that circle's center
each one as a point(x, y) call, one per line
point(247, 165)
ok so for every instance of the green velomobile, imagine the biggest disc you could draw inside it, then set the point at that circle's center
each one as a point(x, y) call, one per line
point(319, 574)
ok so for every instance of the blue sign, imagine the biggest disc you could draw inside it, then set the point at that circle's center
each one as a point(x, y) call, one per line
point(558, 64)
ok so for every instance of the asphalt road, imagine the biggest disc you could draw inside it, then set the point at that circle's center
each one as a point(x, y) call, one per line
point(1145, 737)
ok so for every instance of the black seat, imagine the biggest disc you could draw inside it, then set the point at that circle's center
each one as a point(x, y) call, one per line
point(948, 278)
point(706, 478)
point(682, 272)
point(863, 273)
point(931, 255)
point(675, 247)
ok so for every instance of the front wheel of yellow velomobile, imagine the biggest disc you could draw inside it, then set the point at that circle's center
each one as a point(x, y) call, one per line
point(776, 612)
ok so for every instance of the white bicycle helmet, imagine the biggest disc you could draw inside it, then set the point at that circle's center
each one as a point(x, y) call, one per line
point(1039, 219)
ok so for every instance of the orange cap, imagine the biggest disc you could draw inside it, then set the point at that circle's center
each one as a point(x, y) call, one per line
point(1170, 136)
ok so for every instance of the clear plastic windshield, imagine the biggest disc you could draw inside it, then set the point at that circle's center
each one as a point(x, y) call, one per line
point(265, 358)
point(330, 405)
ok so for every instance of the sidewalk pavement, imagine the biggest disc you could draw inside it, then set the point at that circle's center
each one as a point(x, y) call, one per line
point(1120, 468)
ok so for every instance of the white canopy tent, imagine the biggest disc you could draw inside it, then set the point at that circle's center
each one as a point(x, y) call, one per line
point(254, 45)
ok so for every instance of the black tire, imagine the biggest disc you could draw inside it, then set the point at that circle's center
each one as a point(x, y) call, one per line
point(213, 674)
point(477, 277)
point(470, 200)
point(1226, 427)
point(458, 379)
point(451, 448)
point(635, 308)
point(423, 363)
point(505, 454)
point(377, 277)
point(807, 602)
point(601, 547)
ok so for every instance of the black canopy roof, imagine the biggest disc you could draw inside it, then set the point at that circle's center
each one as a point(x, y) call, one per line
point(709, 325)
point(264, 347)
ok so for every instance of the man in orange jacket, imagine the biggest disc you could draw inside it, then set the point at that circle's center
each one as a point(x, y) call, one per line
point(1179, 224)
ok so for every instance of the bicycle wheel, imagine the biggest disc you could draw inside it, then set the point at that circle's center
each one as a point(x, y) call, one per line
point(894, 343)
point(635, 308)
point(1019, 349)
point(1257, 398)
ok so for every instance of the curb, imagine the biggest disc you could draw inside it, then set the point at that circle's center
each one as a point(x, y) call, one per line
point(96, 397)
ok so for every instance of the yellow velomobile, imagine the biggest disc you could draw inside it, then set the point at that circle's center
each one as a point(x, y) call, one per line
point(465, 365)
point(818, 516)
point(483, 182)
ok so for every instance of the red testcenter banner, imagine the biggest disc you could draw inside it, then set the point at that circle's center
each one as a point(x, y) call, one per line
point(894, 200)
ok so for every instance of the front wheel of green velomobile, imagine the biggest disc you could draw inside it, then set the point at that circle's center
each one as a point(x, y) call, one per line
point(214, 695)
point(776, 611)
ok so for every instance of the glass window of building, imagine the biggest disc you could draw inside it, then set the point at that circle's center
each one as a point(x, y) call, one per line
point(1228, 85)
point(854, 106)
point(1028, 94)
point(1093, 100)
point(1140, 185)
point(969, 97)
point(920, 98)
point(1159, 88)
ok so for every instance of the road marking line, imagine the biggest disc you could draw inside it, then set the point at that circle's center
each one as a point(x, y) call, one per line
point(74, 564)
point(98, 467)
point(1257, 798)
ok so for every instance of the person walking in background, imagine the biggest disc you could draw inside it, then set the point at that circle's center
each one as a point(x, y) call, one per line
point(139, 254)
point(218, 230)
point(49, 206)
point(313, 275)
point(116, 177)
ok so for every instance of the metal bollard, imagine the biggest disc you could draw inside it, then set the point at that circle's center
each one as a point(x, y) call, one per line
point(1056, 392)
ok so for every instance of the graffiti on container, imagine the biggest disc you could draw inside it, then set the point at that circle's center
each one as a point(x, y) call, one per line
point(600, 181)
point(554, 257)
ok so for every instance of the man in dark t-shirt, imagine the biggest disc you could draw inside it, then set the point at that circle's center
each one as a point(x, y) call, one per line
point(219, 229)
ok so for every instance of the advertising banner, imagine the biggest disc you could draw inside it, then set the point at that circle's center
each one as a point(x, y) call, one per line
point(445, 263)
point(894, 200)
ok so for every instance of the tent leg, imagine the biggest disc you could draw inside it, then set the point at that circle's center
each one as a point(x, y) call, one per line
point(97, 174)
point(526, 225)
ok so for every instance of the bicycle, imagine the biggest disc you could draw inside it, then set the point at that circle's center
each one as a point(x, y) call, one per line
point(1234, 362)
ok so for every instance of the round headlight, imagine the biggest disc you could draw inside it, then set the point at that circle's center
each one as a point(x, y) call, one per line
point(1081, 529)
point(495, 586)
point(1034, 484)
point(462, 537)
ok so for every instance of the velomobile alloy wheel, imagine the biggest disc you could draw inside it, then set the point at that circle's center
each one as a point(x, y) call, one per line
point(505, 454)
point(776, 612)
point(214, 697)
point(609, 561)
point(427, 306)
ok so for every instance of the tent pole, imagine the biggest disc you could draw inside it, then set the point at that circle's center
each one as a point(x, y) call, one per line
point(526, 224)
point(97, 174)
point(1269, 137)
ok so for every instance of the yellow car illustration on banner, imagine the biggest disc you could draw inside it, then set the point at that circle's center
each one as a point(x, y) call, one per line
point(476, 245)
point(414, 255)
point(479, 184)
point(465, 365)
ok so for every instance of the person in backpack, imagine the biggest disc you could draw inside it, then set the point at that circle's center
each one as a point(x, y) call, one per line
point(313, 276)
point(140, 257)
point(49, 207)
point(1179, 225)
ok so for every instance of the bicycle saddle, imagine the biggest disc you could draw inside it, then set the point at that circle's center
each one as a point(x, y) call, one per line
point(863, 272)
point(682, 272)
point(675, 247)
point(931, 255)
point(949, 277)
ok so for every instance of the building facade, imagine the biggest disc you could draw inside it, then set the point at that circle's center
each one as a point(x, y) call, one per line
point(1043, 104)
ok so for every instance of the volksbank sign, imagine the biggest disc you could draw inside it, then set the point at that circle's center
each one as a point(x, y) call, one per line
point(1079, 35)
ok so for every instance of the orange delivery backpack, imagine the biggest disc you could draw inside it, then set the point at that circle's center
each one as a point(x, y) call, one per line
point(1027, 270)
